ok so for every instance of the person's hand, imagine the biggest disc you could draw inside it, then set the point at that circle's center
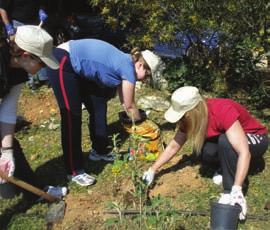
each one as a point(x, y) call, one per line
point(42, 15)
point(237, 197)
point(7, 163)
point(123, 117)
point(148, 176)
point(10, 29)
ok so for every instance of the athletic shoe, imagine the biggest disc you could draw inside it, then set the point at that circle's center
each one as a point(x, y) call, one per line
point(94, 156)
point(82, 179)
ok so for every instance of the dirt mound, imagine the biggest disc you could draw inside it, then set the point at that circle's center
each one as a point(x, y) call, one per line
point(170, 183)
point(181, 173)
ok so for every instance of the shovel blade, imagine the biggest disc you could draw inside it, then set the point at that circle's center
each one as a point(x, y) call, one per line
point(55, 213)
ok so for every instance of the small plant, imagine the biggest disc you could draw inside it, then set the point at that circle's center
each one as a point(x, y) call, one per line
point(119, 164)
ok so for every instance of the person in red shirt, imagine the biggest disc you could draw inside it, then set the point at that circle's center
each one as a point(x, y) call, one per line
point(220, 130)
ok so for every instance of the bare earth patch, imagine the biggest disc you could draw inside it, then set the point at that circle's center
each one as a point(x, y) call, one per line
point(39, 107)
point(87, 211)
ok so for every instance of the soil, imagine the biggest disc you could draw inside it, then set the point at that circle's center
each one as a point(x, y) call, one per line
point(40, 107)
point(86, 211)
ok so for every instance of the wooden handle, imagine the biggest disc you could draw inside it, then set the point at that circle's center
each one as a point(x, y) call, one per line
point(28, 187)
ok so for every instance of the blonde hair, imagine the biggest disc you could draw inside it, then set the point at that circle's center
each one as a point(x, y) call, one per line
point(194, 124)
point(136, 55)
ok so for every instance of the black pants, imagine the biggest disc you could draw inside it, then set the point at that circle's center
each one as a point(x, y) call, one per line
point(219, 150)
point(71, 90)
point(23, 171)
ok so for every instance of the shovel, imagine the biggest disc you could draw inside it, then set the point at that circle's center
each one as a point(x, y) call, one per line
point(28, 187)
point(56, 210)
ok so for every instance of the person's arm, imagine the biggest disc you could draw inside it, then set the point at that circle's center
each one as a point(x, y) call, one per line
point(126, 95)
point(172, 148)
point(7, 134)
point(4, 16)
point(8, 115)
point(239, 142)
point(8, 25)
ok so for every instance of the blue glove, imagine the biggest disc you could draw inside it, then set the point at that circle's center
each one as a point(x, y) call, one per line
point(10, 29)
point(42, 15)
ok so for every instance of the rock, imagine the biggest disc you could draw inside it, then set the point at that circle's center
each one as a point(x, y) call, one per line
point(153, 102)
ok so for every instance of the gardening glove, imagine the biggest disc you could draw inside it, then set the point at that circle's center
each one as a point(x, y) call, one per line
point(10, 29)
point(148, 176)
point(7, 163)
point(42, 15)
point(237, 197)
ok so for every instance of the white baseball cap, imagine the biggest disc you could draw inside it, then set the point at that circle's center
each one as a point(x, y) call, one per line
point(153, 61)
point(37, 41)
point(182, 100)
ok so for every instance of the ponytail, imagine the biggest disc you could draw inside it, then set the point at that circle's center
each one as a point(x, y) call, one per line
point(136, 54)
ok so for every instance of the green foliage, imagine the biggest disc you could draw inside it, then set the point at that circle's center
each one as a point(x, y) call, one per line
point(180, 73)
point(244, 28)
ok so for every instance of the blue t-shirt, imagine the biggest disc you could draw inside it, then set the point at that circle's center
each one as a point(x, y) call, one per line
point(101, 62)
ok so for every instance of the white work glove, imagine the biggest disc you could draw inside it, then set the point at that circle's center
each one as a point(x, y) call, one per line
point(148, 176)
point(7, 163)
point(237, 197)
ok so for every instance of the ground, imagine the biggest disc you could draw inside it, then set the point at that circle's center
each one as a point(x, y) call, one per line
point(92, 205)
point(181, 181)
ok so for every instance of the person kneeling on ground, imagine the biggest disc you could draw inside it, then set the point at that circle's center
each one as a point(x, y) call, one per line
point(219, 130)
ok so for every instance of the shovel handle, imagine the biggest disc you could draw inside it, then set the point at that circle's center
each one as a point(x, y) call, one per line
point(28, 187)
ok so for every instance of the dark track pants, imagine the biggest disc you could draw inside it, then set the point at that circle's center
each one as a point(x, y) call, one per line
point(220, 151)
point(71, 90)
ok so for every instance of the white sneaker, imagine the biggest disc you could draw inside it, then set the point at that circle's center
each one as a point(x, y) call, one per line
point(225, 198)
point(94, 156)
point(57, 192)
point(217, 178)
point(82, 179)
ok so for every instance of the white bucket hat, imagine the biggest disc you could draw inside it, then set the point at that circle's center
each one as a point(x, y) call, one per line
point(37, 41)
point(153, 61)
point(182, 100)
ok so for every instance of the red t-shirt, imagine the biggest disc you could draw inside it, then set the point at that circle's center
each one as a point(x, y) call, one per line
point(222, 113)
